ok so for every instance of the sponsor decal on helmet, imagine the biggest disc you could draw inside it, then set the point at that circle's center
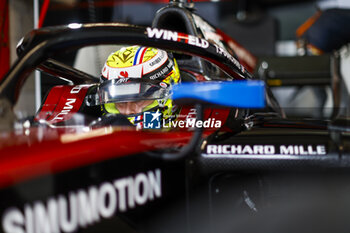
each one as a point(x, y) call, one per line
point(157, 60)
point(122, 80)
point(84, 207)
point(162, 84)
point(124, 74)
point(137, 70)
point(162, 72)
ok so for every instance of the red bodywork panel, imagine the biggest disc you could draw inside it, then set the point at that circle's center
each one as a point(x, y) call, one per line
point(30, 156)
point(62, 103)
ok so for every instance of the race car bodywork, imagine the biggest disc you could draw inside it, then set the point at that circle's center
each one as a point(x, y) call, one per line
point(259, 171)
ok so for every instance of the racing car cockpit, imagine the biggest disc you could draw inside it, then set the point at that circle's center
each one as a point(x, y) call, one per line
point(83, 162)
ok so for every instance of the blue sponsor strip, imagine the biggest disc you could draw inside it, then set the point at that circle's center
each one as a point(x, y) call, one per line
point(241, 94)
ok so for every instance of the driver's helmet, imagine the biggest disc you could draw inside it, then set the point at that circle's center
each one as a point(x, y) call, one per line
point(140, 77)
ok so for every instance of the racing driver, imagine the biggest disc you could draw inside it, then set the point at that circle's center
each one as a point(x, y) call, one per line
point(136, 79)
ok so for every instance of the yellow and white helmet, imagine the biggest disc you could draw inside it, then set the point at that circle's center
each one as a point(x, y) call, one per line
point(137, 73)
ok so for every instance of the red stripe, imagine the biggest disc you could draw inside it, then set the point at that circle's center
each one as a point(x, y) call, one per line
point(142, 54)
point(43, 13)
point(182, 37)
point(33, 159)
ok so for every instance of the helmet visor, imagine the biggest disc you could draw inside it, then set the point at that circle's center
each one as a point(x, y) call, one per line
point(131, 89)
